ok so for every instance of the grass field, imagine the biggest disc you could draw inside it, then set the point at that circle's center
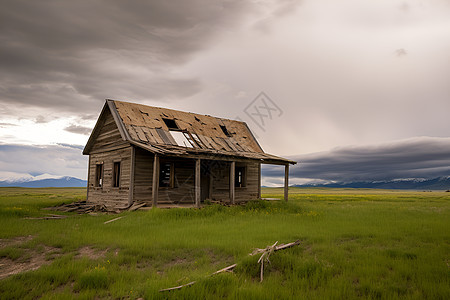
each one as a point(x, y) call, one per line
point(355, 244)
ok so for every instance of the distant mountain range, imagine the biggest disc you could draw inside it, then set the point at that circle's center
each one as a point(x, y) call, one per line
point(64, 181)
point(439, 183)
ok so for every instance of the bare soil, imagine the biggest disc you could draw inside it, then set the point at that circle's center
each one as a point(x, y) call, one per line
point(33, 259)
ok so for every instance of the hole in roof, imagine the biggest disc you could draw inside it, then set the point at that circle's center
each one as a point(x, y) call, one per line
point(225, 130)
point(171, 124)
point(143, 112)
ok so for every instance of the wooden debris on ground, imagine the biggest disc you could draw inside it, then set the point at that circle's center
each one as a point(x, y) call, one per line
point(47, 217)
point(226, 269)
point(115, 219)
point(265, 254)
point(83, 207)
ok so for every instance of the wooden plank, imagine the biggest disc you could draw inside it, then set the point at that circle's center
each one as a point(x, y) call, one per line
point(88, 180)
point(162, 134)
point(155, 184)
point(232, 174)
point(131, 190)
point(132, 132)
point(156, 136)
point(149, 135)
point(205, 141)
point(286, 182)
point(118, 218)
point(197, 183)
point(259, 181)
point(140, 133)
point(171, 139)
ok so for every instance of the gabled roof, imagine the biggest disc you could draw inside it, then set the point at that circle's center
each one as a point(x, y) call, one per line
point(177, 133)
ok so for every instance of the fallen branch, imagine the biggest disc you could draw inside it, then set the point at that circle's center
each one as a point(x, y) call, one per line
point(266, 252)
point(118, 218)
point(226, 269)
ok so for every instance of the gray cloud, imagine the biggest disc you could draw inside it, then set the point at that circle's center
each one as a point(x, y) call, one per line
point(66, 55)
point(52, 159)
point(412, 158)
point(78, 129)
point(7, 124)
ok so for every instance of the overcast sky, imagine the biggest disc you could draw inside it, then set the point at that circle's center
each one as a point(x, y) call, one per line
point(350, 80)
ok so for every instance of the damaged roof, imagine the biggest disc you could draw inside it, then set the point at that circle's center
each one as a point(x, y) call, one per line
point(177, 133)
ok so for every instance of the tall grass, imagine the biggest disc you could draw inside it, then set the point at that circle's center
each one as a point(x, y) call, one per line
point(362, 244)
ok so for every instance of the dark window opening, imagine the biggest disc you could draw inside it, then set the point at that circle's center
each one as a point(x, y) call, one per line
point(225, 130)
point(171, 124)
point(166, 175)
point(239, 177)
point(116, 174)
point(99, 175)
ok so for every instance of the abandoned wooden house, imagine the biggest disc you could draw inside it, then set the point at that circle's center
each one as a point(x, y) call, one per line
point(165, 157)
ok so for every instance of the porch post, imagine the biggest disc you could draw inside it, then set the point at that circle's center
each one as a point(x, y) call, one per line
point(259, 181)
point(155, 185)
point(197, 183)
point(232, 174)
point(131, 191)
point(286, 182)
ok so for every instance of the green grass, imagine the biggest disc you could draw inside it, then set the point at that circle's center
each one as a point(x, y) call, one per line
point(355, 244)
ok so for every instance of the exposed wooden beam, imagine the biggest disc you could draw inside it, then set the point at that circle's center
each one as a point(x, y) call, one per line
point(88, 176)
point(259, 181)
point(155, 184)
point(232, 174)
point(286, 182)
point(197, 183)
point(133, 162)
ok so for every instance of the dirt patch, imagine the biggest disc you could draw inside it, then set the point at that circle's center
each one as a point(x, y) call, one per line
point(31, 260)
point(91, 253)
point(15, 241)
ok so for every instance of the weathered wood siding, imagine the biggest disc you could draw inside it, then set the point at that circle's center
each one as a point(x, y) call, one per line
point(181, 193)
point(108, 135)
point(107, 194)
point(143, 176)
point(221, 182)
point(107, 149)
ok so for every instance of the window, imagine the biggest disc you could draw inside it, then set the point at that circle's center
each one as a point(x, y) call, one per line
point(239, 177)
point(171, 124)
point(98, 175)
point(166, 176)
point(182, 139)
point(225, 130)
point(116, 174)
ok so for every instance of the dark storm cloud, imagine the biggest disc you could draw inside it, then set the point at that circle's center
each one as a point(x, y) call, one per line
point(414, 158)
point(63, 54)
point(52, 159)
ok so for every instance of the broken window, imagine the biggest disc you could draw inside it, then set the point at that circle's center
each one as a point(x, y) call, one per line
point(182, 139)
point(116, 174)
point(225, 130)
point(239, 177)
point(166, 175)
point(98, 175)
point(171, 124)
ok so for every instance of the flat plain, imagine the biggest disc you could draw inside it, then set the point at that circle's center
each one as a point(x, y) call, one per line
point(354, 244)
